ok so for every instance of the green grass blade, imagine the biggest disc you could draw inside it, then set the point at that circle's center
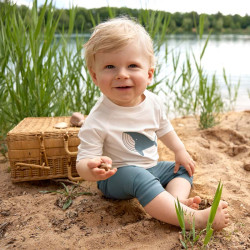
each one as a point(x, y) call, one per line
point(180, 216)
point(214, 207)
point(183, 244)
point(201, 25)
point(215, 204)
point(67, 204)
point(193, 229)
point(208, 236)
point(66, 188)
point(84, 193)
point(205, 46)
point(40, 19)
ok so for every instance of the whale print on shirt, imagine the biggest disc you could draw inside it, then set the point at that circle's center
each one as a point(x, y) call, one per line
point(137, 142)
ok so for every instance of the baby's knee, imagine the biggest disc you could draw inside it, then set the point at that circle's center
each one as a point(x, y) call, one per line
point(183, 173)
point(146, 188)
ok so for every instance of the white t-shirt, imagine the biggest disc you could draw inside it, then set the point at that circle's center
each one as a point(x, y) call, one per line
point(128, 135)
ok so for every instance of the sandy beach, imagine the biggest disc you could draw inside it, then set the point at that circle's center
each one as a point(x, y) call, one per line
point(33, 220)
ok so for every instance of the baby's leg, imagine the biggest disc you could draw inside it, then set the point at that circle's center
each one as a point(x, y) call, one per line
point(180, 188)
point(177, 184)
point(162, 207)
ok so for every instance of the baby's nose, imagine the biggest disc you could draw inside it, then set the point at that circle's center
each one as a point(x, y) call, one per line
point(122, 74)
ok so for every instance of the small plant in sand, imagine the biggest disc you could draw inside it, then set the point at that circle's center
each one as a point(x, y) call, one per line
point(68, 193)
point(190, 238)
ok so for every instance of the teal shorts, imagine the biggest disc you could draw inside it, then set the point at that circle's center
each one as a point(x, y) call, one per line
point(144, 184)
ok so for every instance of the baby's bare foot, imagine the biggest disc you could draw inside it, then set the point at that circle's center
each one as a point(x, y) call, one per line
point(221, 219)
point(192, 202)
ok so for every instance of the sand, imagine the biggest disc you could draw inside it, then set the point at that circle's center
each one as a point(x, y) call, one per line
point(32, 220)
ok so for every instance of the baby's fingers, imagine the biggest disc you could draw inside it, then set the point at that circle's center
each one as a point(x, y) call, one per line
point(94, 163)
point(106, 174)
point(106, 159)
point(191, 166)
point(176, 168)
point(190, 169)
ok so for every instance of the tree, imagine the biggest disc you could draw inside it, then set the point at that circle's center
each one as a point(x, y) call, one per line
point(187, 24)
point(64, 21)
point(178, 17)
point(172, 25)
point(245, 22)
point(219, 24)
point(227, 21)
point(79, 23)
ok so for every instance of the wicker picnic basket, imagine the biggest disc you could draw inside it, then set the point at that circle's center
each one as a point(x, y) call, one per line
point(38, 151)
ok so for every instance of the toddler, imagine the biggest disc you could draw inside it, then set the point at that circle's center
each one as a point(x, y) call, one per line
point(123, 127)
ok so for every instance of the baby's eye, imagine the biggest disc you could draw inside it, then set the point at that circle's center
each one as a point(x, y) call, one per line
point(132, 66)
point(109, 66)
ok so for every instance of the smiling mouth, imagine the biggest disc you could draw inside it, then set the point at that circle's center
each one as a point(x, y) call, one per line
point(124, 87)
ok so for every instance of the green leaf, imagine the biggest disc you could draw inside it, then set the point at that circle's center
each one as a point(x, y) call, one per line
point(40, 19)
point(196, 238)
point(193, 228)
point(201, 25)
point(208, 236)
point(67, 204)
point(66, 188)
point(205, 46)
point(84, 193)
point(49, 192)
point(180, 216)
point(215, 205)
point(183, 244)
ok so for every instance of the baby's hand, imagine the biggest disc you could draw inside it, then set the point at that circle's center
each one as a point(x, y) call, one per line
point(101, 168)
point(183, 158)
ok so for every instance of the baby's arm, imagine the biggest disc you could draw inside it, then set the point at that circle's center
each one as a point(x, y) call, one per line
point(89, 169)
point(182, 157)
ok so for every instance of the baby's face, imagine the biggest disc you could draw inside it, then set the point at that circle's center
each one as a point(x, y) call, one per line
point(123, 75)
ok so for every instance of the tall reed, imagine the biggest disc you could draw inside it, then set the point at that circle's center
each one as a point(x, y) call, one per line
point(30, 80)
point(208, 96)
point(232, 91)
point(40, 74)
point(189, 90)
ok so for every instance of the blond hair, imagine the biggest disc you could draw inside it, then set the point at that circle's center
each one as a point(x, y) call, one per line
point(115, 34)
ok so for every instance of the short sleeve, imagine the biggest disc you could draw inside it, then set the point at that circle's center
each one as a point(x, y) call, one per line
point(165, 125)
point(91, 142)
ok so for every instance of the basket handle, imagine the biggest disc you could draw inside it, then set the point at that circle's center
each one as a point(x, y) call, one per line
point(66, 145)
point(70, 174)
point(27, 165)
point(43, 156)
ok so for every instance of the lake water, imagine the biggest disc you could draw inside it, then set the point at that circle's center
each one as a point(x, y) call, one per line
point(231, 52)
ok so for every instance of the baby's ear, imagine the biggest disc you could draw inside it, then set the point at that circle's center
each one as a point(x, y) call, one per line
point(150, 74)
point(93, 75)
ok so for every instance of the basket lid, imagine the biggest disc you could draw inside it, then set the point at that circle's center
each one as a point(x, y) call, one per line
point(37, 125)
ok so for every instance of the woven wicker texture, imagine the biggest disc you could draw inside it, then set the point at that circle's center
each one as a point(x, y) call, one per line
point(36, 149)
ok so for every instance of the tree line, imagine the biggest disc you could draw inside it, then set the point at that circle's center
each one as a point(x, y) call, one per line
point(85, 19)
